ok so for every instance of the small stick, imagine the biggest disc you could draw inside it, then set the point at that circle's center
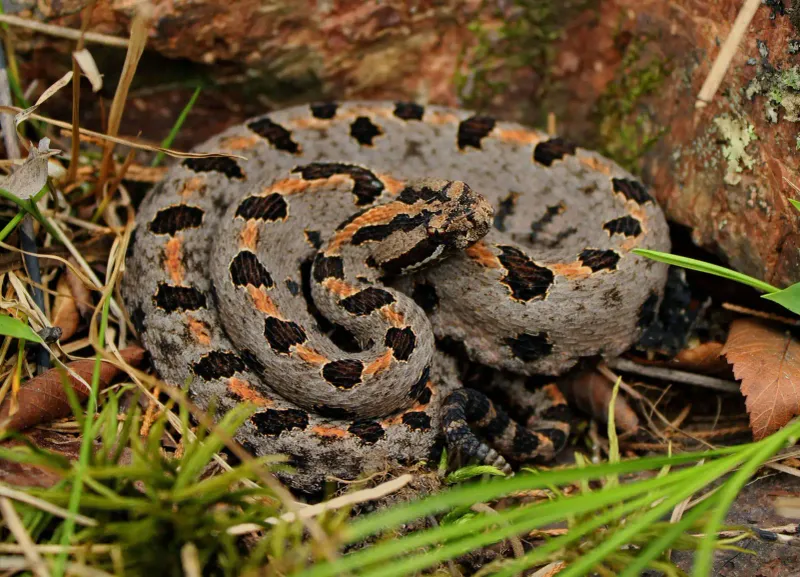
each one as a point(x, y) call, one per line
point(337, 503)
point(726, 53)
point(674, 375)
point(761, 314)
point(63, 32)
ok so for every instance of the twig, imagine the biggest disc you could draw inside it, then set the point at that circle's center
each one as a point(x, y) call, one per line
point(86, 14)
point(726, 53)
point(761, 314)
point(349, 499)
point(516, 544)
point(22, 497)
point(674, 375)
point(63, 32)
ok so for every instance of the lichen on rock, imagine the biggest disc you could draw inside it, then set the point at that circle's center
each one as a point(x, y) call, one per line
point(738, 133)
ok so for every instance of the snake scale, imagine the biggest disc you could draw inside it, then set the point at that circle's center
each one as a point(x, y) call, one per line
point(314, 274)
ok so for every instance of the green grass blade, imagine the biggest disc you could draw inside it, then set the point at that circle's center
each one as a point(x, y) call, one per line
point(15, 328)
point(709, 268)
point(495, 488)
point(633, 527)
point(766, 449)
point(665, 540)
point(795, 203)
point(167, 142)
point(542, 553)
point(193, 465)
point(510, 522)
point(788, 298)
point(11, 225)
point(86, 444)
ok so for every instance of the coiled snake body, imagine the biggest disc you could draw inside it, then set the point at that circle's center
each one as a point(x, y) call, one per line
point(403, 225)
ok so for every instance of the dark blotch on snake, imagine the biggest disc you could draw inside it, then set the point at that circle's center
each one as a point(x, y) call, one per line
point(539, 225)
point(624, 225)
point(314, 238)
point(364, 302)
point(324, 110)
point(551, 150)
point(419, 253)
point(417, 420)
point(343, 374)
point(224, 165)
point(334, 412)
point(495, 428)
point(174, 218)
point(267, 208)
point(367, 188)
point(408, 111)
point(525, 444)
point(137, 318)
point(276, 134)
point(218, 364)
point(525, 279)
point(411, 194)
point(328, 267)
point(246, 269)
point(632, 189)
point(250, 359)
point(528, 347)
point(472, 130)
point(364, 131)
point(273, 422)
point(281, 335)
point(368, 431)
point(401, 222)
point(420, 388)
point(293, 287)
point(598, 260)
point(401, 341)
point(178, 298)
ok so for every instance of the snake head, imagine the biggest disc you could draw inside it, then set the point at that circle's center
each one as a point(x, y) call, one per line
point(463, 216)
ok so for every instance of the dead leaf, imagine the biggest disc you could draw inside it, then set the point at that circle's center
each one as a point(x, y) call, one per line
point(767, 362)
point(58, 85)
point(65, 310)
point(42, 398)
point(702, 358)
point(591, 392)
point(31, 177)
point(20, 474)
point(89, 68)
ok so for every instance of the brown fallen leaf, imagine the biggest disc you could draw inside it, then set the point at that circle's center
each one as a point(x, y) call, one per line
point(65, 310)
point(591, 392)
point(767, 362)
point(42, 398)
point(702, 358)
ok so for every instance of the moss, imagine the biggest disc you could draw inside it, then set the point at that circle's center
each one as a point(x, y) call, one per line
point(781, 89)
point(625, 128)
point(737, 133)
point(523, 40)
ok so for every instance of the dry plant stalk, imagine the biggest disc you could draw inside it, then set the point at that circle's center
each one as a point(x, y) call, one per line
point(139, 27)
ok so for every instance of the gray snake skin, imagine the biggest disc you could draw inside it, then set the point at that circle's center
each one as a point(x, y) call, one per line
point(316, 277)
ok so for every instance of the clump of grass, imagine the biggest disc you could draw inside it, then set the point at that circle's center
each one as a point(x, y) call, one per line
point(147, 504)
